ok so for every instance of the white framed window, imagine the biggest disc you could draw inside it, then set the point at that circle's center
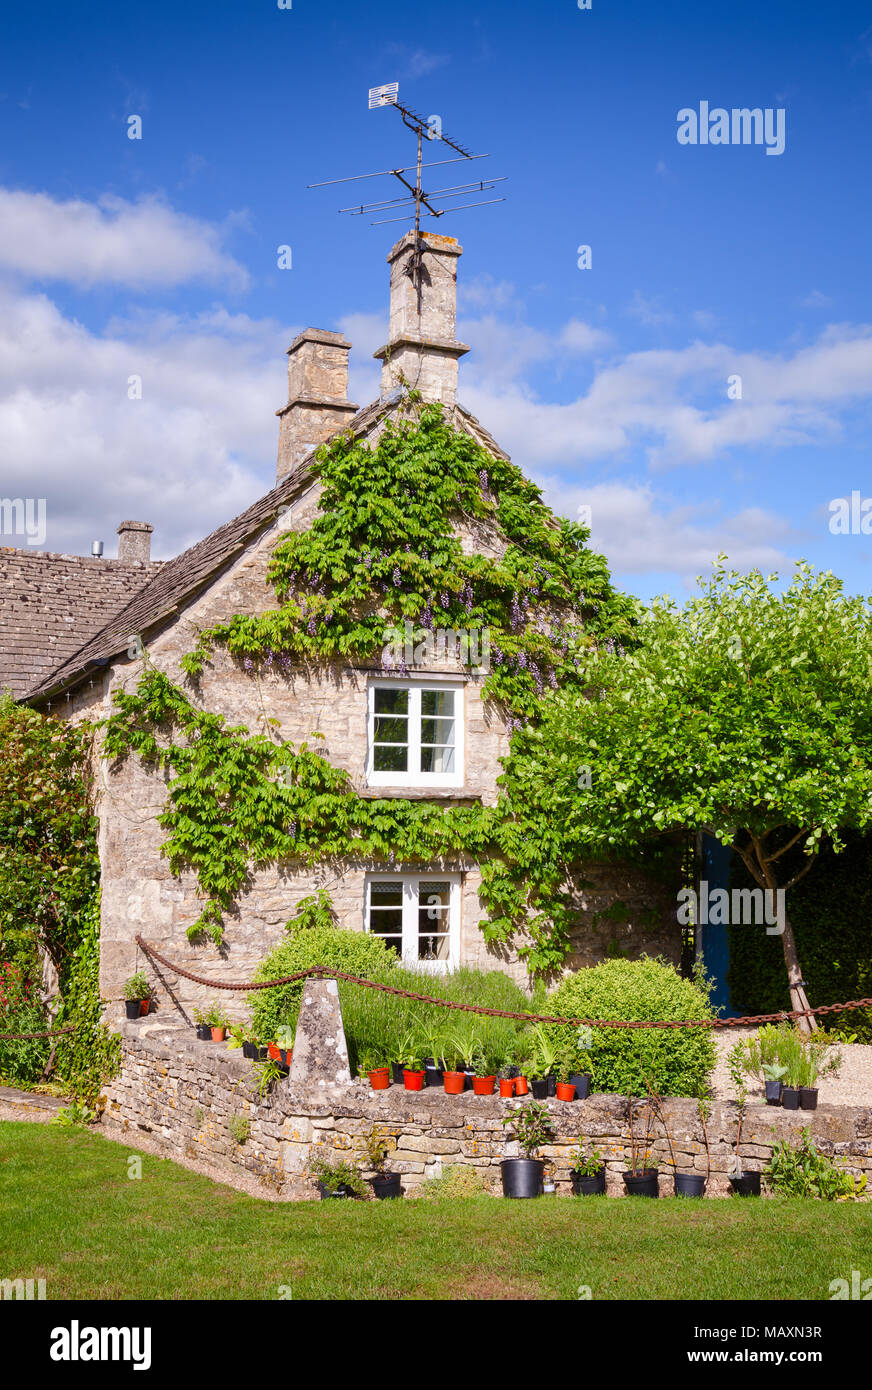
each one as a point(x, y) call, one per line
point(417, 914)
point(415, 734)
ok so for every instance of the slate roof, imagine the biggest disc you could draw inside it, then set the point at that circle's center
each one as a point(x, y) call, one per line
point(52, 603)
point(179, 579)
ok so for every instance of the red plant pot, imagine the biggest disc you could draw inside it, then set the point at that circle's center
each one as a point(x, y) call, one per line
point(274, 1051)
point(218, 1034)
point(144, 1006)
point(413, 1080)
point(521, 1087)
point(483, 1085)
point(565, 1091)
point(380, 1078)
point(455, 1082)
point(507, 1087)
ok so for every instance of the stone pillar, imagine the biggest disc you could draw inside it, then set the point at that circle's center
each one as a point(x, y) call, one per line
point(318, 404)
point(320, 1050)
point(422, 347)
point(134, 541)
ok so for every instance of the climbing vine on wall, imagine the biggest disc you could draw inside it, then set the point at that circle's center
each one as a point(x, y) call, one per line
point(384, 551)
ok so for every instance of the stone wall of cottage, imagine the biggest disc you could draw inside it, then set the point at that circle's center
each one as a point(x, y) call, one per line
point(182, 1099)
point(327, 707)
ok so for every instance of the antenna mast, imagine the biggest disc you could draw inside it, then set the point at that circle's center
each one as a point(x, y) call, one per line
point(422, 127)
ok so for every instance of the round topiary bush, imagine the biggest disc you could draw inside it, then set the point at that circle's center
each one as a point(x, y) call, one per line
point(676, 1061)
point(358, 953)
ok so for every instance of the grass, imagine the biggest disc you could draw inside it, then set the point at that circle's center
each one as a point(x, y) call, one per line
point(70, 1214)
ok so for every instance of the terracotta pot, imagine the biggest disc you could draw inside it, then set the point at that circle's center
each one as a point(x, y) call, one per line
point(218, 1034)
point(520, 1085)
point(483, 1085)
point(144, 1006)
point(454, 1081)
point(380, 1078)
point(565, 1091)
point(507, 1087)
point(413, 1080)
point(274, 1051)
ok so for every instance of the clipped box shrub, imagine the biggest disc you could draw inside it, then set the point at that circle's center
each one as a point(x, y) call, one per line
point(678, 1061)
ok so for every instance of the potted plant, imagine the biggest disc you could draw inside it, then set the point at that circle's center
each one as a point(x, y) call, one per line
point(384, 1184)
point(217, 1021)
point(434, 1062)
point(588, 1171)
point(373, 1067)
point(772, 1074)
point(467, 1048)
point(338, 1179)
point(684, 1184)
point(413, 1069)
point(813, 1066)
point(743, 1184)
point(453, 1076)
point(137, 995)
point(640, 1180)
point(531, 1124)
point(543, 1081)
point(483, 1074)
point(204, 1032)
point(285, 1041)
point(406, 1047)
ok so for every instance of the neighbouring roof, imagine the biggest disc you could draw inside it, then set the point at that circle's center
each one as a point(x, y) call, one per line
point(179, 579)
point(52, 604)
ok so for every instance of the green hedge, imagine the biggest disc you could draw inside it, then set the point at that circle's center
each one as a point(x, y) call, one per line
point(677, 1061)
point(831, 914)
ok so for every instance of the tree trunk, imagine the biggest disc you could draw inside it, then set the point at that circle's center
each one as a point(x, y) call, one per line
point(798, 996)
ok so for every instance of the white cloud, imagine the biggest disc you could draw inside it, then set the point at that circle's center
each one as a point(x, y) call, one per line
point(816, 300)
point(581, 337)
point(140, 245)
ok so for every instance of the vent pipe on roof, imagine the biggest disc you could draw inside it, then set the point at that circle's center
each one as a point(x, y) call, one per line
point(97, 549)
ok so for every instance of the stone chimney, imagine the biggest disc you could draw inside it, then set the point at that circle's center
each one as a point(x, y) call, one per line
point(318, 404)
point(134, 541)
point(421, 345)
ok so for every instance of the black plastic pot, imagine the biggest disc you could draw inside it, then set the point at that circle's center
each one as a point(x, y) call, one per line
point(581, 1081)
point(790, 1097)
point(397, 1073)
point(748, 1185)
point(642, 1184)
point(262, 1053)
point(584, 1185)
point(540, 1088)
point(551, 1082)
point(469, 1073)
point(387, 1185)
point(689, 1185)
point(773, 1092)
point(204, 1032)
point(249, 1050)
point(522, 1177)
point(432, 1074)
point(131, 1008)
point(808, 1097)
point(341, 1191)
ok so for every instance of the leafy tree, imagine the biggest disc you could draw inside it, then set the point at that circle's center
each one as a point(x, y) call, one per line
point(747, 713)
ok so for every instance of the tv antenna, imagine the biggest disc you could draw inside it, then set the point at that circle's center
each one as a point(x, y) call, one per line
point(423, 127)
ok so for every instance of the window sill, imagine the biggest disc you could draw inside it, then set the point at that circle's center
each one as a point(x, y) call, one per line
point(394, 793)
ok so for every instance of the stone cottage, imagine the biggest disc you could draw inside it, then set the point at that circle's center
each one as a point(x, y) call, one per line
point(450, 744)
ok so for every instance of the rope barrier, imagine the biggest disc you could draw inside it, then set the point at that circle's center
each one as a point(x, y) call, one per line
point(319, 971)
point(56, 1034)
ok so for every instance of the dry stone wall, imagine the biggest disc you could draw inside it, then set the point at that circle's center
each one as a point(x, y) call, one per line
point(184, 1099)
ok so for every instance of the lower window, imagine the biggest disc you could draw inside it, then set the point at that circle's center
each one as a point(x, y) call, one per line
point(418, 915)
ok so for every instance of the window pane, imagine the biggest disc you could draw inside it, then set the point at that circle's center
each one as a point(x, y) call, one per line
point(437, 760)
point(437, 731)
point(386, 910)
point(388, 758)
point(391, 701)
point(392, 729)
point(433, 947)
point(437, 702)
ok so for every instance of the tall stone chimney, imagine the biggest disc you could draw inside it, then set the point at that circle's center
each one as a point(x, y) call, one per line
point(318, 404)
point(421, 346)
point(134, 541)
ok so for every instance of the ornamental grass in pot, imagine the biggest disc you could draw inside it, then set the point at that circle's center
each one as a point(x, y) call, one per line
point(376, 1069)
point(531, 1126)
point(483, 1073)
point(137, 995)
point(453, 1075)
point(588, 1171)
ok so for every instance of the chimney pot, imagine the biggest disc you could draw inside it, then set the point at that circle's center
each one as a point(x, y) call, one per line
point(318, 404)
point(134, 541)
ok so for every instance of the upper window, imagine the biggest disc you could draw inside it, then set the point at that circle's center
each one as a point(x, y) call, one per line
point(415, 734)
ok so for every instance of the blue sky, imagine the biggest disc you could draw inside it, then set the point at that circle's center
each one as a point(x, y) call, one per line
point(157, 257)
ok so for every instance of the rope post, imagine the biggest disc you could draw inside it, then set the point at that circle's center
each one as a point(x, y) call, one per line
point(320, 1050)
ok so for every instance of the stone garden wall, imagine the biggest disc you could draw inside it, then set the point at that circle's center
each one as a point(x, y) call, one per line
point(184, 1099)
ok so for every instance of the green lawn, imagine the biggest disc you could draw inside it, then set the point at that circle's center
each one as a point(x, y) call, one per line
point(70, 1214)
